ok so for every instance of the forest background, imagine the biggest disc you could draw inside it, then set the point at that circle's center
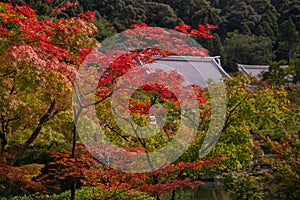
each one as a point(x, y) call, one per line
point(250, 31)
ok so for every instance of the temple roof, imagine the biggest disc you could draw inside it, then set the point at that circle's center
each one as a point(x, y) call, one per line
point(196, 70)
point(253, 70)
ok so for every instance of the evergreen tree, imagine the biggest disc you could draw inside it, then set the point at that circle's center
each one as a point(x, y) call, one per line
point(238, 14)
point(288, 40)
point(264, 29)
point(105, 28)
point(246, 29)
point(247, 49)
point(271, 18)
point(162, 15)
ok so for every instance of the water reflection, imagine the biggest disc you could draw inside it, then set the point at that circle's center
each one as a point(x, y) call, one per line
point(201, 193)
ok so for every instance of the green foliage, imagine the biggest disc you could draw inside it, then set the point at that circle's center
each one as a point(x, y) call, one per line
point(288, 40)
point(37, 155)
point(295, 68)
point(91, 193)
point(277, 74)
point(191, 11)
point(105, 28)
point(285, 148)
point(294, 95)
point(87, 193)
point(25, 197)
point(246, 29)
point(214, 46)
point(121, 13)
point(287, 9)
point(243, 186)
point(264, 29)
point(161, 15)
point(239, 13)
point(250, 110)
point(247, 49)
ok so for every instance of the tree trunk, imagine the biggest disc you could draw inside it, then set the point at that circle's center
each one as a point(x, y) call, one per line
point(73, 188)
point(35, 133)
point(173, 194)
point(73, 180)
point(3, 135)
point(4, 132)
point(3, 142)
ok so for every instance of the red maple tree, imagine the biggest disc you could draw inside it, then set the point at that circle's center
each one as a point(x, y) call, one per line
point(60, 47)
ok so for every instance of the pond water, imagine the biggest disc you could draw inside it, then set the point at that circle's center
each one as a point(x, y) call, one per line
point(202, 193)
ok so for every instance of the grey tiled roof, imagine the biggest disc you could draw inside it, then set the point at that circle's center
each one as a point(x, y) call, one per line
point(253, 70)
point(195, 70)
